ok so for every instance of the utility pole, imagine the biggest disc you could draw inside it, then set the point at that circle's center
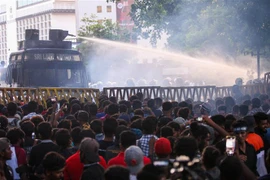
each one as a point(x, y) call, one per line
point(258, 63)
point(258, 54)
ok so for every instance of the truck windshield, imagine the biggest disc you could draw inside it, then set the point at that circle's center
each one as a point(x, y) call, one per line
point(30, 56)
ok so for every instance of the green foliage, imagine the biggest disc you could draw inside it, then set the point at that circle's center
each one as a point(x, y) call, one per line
point(228, 26)
point(103, 29)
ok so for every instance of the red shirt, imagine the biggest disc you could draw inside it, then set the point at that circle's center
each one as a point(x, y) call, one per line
point(74, 167)
point(21, 155)
point(256, 141)
point(120, 160)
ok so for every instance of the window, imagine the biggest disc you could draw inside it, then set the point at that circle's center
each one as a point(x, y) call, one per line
point(13, 58)
point(109, 8)
point(39, 56)
point(67, 57)
point(22, 3)
point(99, 9)
point(19, 57)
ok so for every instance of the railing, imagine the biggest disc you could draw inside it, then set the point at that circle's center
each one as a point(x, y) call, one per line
point(197, 93)
point(18, 95)
point(83, 94)
point(42, 94)
point(125, 93)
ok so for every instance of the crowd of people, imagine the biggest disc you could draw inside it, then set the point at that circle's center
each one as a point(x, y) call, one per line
point(140, 138)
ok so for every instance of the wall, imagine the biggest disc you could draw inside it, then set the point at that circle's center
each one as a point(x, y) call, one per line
point(11, 27)
point(88, 7)
point(65, 21)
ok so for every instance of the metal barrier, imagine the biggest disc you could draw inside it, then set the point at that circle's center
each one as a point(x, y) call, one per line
point(197, 93)
point(223, 91)
point(18, 95)
point(126, 92)
point(41, 94)
point(255, 89)
point(83, 94)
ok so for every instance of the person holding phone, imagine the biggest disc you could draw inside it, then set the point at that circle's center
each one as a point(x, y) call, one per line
point(246, 151)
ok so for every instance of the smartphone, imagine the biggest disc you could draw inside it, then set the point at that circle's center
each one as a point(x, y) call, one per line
point(199, 118)
point(230, 145)
point(33, 135)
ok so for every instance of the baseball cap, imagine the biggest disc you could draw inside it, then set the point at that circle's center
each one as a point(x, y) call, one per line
point(90, 148)
point(207, 107)
point(163, 146)
point(134, 159)
point(4, 144)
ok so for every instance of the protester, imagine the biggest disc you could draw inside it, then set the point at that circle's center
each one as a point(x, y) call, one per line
point(117, 172)
point(5, 155)
point(53, 164)
point(192, 141)
point(134, 160)
point(90, 158)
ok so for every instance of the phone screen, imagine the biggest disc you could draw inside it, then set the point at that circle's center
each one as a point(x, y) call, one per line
point(230, 145)
point(199, 118)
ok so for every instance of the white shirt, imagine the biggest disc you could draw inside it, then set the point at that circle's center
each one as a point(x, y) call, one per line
point(30, 115)
point(132, 177)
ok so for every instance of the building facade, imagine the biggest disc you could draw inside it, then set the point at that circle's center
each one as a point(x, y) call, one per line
point(99, 8)
point(18, 15)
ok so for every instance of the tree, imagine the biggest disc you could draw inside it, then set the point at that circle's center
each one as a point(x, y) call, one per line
point(231, 27)
point(102, 29)
point(96, 56)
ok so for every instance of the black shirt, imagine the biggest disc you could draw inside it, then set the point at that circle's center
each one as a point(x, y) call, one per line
point(66, 153)
point(264, 138)
point(112, 152)
point(8, 172)
point(93, 171)
point(251, 158)
point(28, 144)
point(103, 145)
point(40, 150)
